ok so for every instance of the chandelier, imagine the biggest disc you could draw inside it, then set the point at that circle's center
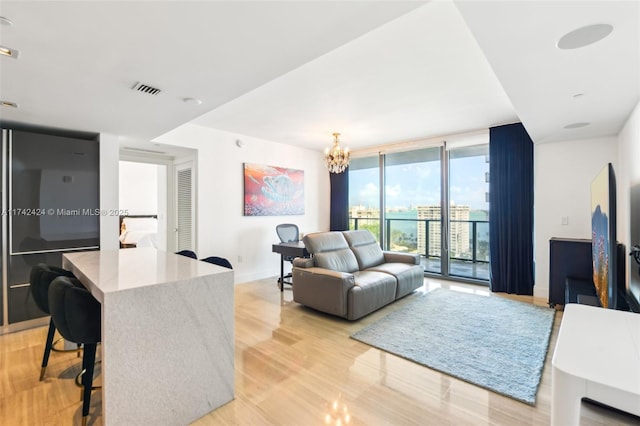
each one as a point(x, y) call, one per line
point(337, 159)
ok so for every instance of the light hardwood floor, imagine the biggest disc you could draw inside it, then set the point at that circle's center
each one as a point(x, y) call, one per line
point(294, 366)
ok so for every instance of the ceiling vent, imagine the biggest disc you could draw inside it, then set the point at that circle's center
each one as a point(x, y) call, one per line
point(144, 88)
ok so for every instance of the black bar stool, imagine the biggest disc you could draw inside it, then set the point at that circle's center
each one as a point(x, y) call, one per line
point(40, 278)
point(188, 253)
point(220, 261)
point(76, 314)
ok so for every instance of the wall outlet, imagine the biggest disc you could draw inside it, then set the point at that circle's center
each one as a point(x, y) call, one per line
point(239, 258)
point(564, 220)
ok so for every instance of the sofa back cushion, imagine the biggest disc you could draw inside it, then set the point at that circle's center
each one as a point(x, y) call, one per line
point(331, 251)
point(365, 247)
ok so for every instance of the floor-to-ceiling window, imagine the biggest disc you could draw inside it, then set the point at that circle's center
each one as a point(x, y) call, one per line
point(364, 194)
point(469, 212)
point(412, 193)
point(434, 201)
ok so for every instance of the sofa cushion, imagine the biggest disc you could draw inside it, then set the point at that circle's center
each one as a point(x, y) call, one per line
point(409, 277)
point(365, 247)
point(372, 291)
point(331, 251)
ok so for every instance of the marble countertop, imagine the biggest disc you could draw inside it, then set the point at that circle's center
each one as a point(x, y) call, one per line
point(112, 271)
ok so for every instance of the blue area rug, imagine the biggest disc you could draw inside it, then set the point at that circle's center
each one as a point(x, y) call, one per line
point(495, 343)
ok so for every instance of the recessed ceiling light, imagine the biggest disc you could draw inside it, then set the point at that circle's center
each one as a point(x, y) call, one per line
point(9, 104)
point(576, 125)
point(7, 51)
point(584, 36)
point(5, 21)
point(194, 101)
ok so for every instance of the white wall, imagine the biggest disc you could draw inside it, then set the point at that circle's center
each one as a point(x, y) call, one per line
point(628, 176)
point(222, 228)
point(628, 172)
point(562, 187)
point(109, 223)
point(138, 188)
point(143, 191)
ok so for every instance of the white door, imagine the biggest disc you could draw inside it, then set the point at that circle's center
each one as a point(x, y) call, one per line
point(185, 209)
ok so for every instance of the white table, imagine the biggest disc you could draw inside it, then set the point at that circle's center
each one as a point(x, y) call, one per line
point(167, 334)
point(597, 356)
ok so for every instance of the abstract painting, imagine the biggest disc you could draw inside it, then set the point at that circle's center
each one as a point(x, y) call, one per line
point(600, 232)
point(272, 191)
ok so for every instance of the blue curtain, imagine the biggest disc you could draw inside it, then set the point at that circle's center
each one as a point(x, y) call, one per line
point(511, 209)
point(339, 219)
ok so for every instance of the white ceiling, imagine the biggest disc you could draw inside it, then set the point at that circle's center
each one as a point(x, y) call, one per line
point(418, 76)
point(79, 59)
point(296, 71)
point(541, 80)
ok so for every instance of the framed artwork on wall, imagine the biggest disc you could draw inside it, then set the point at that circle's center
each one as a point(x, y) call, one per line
point(273, 191)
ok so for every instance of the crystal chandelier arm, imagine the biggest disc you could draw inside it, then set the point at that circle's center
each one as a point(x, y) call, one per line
point(336, 158)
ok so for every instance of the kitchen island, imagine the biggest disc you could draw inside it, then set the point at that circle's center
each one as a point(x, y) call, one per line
point(167, 334)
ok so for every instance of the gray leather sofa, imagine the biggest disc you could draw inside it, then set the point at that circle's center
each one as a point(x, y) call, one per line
point(349, 275)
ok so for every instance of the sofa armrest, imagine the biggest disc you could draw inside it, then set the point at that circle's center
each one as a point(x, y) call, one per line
point(303, 262)
point(398, 257)
point(322, 289)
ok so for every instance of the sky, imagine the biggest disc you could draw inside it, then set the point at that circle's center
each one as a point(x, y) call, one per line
point(419, 184)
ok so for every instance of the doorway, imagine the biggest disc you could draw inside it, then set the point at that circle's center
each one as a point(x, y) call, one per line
point(153, 186)
point(143, 202)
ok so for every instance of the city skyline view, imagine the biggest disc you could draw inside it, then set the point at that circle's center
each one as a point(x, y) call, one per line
point(412, 195)
point(418, 184)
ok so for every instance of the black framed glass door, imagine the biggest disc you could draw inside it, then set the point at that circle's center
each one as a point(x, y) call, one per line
point(432, 201)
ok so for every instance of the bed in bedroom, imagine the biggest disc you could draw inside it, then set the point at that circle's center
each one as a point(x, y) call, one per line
point(139, 231)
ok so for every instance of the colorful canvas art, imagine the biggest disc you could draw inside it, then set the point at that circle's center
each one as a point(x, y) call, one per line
point(600, 244)
point(273, 191)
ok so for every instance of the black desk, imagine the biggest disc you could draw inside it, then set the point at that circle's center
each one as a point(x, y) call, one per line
point(296, 249)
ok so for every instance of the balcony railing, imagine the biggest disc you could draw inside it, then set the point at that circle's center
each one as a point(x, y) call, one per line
point(474, 250)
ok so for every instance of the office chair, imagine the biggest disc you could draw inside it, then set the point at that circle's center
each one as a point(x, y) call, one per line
point(288, 233)
point(220, 261)
point(187, 253)
point(76, 314)
point(40, 278)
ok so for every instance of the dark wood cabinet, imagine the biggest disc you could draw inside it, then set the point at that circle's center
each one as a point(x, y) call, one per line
point(567, 258)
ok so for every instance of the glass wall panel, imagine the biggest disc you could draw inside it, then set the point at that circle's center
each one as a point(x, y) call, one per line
point(469, 212)
point(412, 204)
point(423, 188)
point(364, 194)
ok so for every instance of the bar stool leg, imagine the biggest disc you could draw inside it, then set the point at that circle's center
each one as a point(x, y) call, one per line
point(88, 363)
point(47, 348)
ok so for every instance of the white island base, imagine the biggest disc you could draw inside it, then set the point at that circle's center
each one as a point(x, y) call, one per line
point(597, 356)
point(167, 334)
